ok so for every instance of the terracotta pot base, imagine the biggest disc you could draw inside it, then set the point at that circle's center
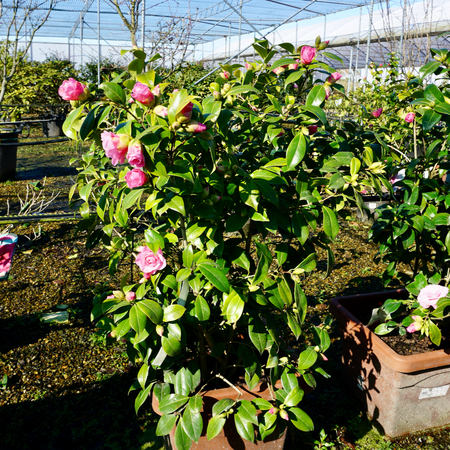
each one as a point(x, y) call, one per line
point(402, 394)
point(229, 438)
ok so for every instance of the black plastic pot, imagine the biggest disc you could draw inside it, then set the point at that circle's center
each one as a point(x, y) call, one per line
point(8, 154)
point(53, 127)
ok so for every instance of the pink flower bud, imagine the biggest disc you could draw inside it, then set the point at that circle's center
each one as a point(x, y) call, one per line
point(195, 127)
point(248, 66)
point(110, 297)
point(307, 55)
point(73, 90)
point(284, 415)
point(410, 117)
point(131, 296)
point(135, 178)
point(142, 93)
point(327, 91)
point(161, 111)
point(185, 114)
point(377, 112)
point(334, 77)
point(156, 90)
point(279, 70)
point(312, 129)
point(225, 75)
point(159, 330)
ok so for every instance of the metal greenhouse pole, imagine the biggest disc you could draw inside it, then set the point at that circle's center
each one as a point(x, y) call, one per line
point(369, 36)
point(357, 48)
point(143, 26)
point(401, 35)
point(98, 43)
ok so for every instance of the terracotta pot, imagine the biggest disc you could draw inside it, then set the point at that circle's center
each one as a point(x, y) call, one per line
point(229, 438)
point(402, 394)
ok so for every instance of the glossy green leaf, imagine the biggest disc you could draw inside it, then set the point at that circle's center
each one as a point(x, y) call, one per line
point(114, 92)
point(192, 423)
point(257, 333)
point(330, 222)
point(294, 397)
point(301, 420)
point(171, 345)
point(316, 96)
point(307, 358)
point(182, 440)
point(172, 402)
point(215, 426)
point(296, 150)
point(214, 275)
point(165, 424)
point(173, 312)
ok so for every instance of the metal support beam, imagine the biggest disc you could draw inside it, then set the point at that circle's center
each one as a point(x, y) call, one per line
point(143, 26)
point(350, 70)
point(357, 47)
point(98, 44)
point(87, 5)
point(240, 31)
point(402, 34)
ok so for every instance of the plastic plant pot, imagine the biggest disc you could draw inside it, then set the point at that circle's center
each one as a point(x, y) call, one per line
point(7, 245)
point(8, 155)
point(402, 394)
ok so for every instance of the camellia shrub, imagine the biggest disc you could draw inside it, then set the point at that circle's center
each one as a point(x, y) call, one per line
point(221, 202)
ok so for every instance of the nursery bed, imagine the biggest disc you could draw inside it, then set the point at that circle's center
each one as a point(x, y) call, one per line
point(66, 386)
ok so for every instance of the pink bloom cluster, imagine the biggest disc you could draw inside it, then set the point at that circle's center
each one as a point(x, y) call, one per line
point(150, 262)
point(73, 90)
point(429, 295)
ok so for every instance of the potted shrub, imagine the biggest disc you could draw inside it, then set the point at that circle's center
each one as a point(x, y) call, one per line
point(414, 237)
point(221, 203)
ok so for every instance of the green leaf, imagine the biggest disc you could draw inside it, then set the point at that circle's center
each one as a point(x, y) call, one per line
point(433, 93)
point(142, 396)
point(330, 222)
point(296, 150)
point(242, 89)
point(202, 310)
point(182, 440)
point(176, 203)
point(301, 421)
point(88, 123)
point(172, 402)
point(165, 424)
point(244, 428)
point(430, 119)
point(138, 319)
point(294, 397)
point(435, 333)
point(215, 426)
point(233, 306)
point(173, 312)
point(257, 333)
point(114, 92)
point(316, 96)
point(307, 358)
point(152, 310)
point(192, 423)
point(222, 405)
point(428, 69)
point(132, 198)
point(171, 345)
point(215, 276)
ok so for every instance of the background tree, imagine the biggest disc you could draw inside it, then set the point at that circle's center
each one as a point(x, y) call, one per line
point(15, 17)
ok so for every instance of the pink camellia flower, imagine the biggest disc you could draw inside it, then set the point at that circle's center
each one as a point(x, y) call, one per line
point(150, 262)
point(115, 146)
point(109, 297)
point(142, 93)
point(185, 114)
point(416, 325)
point(225, 75)
point(135, 155)
point(73, 90)
point(312, 129)
point(429, 295)
point(273, 410)
point(327, 91)
point(410, 117)
point(294, 66)
point(307, 54)
point(131, 296)
point(248, 66)
point(6, 255)
point(195, 127)
point(333, 78)
point(135, 178)
point(377, 112)
point(161, 111)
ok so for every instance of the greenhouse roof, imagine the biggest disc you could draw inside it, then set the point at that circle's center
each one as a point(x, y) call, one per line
point(208, 19)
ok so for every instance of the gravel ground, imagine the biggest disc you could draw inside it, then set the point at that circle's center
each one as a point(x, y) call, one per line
point(67, 386)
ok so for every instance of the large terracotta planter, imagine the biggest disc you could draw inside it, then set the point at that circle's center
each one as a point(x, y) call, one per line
point(402, 394)
point(229, 437)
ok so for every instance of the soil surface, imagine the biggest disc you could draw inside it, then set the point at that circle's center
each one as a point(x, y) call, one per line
point(65, 386)
point(412, 344)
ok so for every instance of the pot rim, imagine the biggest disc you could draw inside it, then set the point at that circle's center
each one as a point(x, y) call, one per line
point(405, 364)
